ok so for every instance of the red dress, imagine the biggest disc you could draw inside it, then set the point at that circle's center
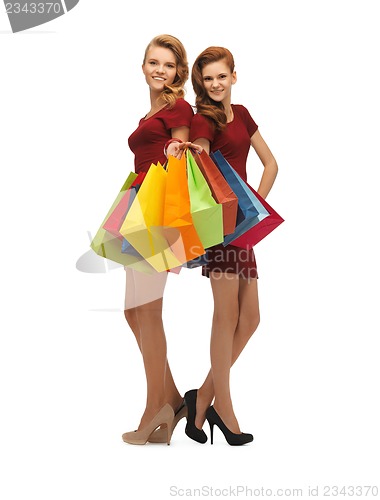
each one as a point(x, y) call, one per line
point(148, 140)
point(234, 143)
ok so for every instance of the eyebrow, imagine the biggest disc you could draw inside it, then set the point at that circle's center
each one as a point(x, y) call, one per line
point(156, 60)
point(219, 74)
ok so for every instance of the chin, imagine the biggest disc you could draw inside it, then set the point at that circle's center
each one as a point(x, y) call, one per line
point(216, 98)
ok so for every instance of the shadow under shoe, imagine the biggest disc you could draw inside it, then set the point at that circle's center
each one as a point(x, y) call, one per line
point(191, 430)
point(163, 418)
point(159, 435)
point(232, 438)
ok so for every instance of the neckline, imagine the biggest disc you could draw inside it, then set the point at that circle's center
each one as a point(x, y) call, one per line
point(146, 118)
point(233, 115)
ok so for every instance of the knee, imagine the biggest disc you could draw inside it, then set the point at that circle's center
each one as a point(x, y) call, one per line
point(254, 322)
point(227, 318)
point(250, 322)
point(130, 316)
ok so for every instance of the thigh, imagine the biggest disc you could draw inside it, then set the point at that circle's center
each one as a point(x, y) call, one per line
point(143, 289)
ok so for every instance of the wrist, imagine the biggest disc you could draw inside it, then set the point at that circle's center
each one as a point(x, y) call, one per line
point(170, 141)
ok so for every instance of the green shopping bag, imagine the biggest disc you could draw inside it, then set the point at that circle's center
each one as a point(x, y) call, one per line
point(207, 214)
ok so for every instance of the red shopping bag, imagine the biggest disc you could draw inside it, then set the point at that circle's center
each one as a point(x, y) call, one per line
point(117, 216)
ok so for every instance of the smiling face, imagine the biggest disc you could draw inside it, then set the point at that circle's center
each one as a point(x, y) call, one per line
point(159, 68)
point(218, 80)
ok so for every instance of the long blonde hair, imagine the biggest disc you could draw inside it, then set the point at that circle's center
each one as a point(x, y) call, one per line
point(176, 90)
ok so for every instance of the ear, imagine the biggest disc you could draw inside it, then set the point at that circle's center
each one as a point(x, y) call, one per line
point(234, 78)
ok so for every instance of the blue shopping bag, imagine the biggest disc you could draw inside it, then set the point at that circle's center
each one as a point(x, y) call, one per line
point(250, 209)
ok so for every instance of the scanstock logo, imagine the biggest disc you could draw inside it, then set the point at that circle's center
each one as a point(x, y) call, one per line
point(24, 15)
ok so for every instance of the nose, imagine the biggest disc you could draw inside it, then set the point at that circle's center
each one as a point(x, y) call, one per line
point(215, 84)
point(160, 69)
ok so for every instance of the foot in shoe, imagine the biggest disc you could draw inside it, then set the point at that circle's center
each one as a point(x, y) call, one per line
point(159, 435)
point(232, 438)
point(201, 407)
point(191, 430)
point(163, 418)
point(229, 419)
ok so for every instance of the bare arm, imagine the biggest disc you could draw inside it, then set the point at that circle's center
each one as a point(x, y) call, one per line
point(181, 133)
point(204, 144)
point(268, 161)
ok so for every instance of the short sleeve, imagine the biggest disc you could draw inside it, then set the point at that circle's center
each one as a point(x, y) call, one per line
point(249, 121)
point(201, 128)
point(179, 115)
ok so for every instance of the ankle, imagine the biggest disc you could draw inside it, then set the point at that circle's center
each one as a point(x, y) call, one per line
point(204, 400)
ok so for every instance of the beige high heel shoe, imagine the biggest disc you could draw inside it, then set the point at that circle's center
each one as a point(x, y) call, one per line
point(159, 435)
point(164, 419)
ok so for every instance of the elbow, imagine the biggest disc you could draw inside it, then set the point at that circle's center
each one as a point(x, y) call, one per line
point(272, 168)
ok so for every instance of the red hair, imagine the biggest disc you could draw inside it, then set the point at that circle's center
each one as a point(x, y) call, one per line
point(204, 104)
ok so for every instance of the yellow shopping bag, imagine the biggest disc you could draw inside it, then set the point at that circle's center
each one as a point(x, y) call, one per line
point(143, 225)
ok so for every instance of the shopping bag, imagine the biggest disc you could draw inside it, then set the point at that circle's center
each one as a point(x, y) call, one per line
point(117, 216)
point(115, 220)
point(126, 247)
point(250, 210)
point(179, 228)
point(143, 224)
point(109, 246)
point(207, 214)
point(264, 227)
point(221, 190)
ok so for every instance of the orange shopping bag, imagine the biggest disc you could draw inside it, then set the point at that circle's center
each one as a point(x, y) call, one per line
point(178, 223)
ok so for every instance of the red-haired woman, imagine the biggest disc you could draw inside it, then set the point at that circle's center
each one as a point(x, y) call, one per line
point(221, 125)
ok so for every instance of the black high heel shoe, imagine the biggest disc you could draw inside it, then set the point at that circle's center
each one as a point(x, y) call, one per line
point(191, 430)
point(231, 438)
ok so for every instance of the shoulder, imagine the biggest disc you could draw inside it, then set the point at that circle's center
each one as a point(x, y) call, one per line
point(245, 116)
point(201, 127)
point(179, 115)
point(240, 110)
point(199, 119)
point(182, 105)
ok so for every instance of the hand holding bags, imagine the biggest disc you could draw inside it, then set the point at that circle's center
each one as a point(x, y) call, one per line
point(159, 224)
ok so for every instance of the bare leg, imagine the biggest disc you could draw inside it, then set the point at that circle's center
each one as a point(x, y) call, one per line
point(249, 318)
point(143, 312)
point(153, 348)
point(225, 288)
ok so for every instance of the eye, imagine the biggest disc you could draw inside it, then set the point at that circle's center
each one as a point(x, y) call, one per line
point(222, 77)
point(152, 63)
point(171, 66)
point(207, 79)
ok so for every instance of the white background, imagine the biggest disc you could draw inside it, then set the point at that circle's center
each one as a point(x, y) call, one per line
point(72, 379)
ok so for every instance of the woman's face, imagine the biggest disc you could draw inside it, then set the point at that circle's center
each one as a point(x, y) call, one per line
point(218, 80)
point(159, 68)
